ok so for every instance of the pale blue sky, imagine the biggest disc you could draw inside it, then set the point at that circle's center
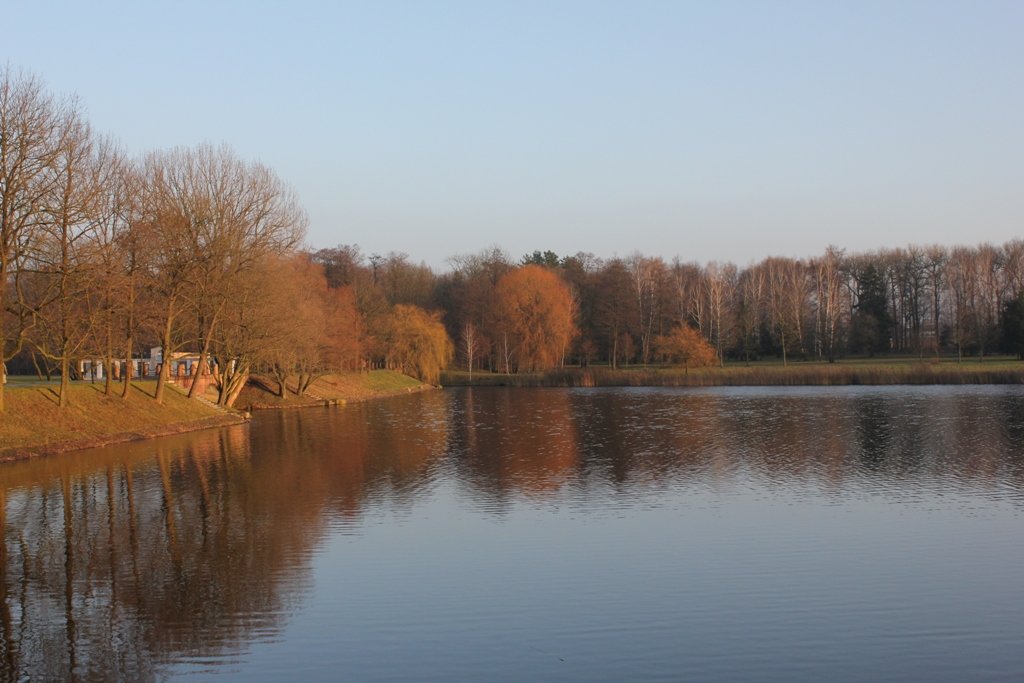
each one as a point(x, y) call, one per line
point(707, 130)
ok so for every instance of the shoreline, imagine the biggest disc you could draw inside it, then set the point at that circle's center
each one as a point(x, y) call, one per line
point(38, 428)
point(17, 453)
point(311, 402)
point(340, 390)
point(331, 390)
point(796, 374)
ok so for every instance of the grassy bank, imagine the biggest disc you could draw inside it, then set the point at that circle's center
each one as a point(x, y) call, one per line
point(868, 371)
point(260, 393)
point(33, 423)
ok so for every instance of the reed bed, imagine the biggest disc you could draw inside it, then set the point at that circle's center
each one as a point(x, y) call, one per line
point(794, 374)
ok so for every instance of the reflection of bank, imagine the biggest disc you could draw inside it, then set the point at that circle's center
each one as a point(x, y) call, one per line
point(150, 542)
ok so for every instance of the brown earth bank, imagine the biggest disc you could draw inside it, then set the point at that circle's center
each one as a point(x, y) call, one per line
point(11, 454)
point(33, 423)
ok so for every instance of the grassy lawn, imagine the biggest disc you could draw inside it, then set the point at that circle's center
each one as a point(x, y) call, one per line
point(374, 382)
point(33, 419)
point(347, 387)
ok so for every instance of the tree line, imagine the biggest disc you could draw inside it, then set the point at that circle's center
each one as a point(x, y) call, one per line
point(101, 254)
point(546, 310)
point(194, 249)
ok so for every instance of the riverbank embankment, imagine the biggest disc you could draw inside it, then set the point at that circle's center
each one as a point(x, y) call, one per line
point(33, 423)
point(792, 374)
point(261, 393)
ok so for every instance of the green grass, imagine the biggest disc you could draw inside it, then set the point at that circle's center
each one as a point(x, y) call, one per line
point(33, 419)
point(388, 381)
point(343, 388)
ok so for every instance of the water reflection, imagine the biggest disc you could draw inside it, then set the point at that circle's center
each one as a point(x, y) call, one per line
point(535, 442)
point(183, 552)
point(116, 562)
point(503, 445)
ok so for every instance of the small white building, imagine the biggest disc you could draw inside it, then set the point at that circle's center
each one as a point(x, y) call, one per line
point(182, 365)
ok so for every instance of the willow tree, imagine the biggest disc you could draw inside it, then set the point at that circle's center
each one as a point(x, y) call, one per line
point(417, 342)
point(535, 314)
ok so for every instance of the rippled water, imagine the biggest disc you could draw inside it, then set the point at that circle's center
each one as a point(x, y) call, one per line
point(489, 534)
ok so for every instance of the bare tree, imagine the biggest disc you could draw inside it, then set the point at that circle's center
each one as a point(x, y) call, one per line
point(613, 308)
point(719, 281)
point(110, 284)
point(646, 275)
point(62, 262)
point(214, 217)
point(1013, 268)
point(829, 287)
point(962, 294)
point(470, 346)
point(30, 140)
point(935, 272)
point(750, 313)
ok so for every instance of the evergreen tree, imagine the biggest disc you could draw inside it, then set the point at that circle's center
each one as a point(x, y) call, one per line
point(871, 321)
point(1013, 326)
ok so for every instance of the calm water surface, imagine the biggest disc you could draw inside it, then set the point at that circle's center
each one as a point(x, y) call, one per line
point(519, 535)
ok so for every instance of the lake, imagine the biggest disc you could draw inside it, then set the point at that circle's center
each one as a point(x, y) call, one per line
point(730, 534)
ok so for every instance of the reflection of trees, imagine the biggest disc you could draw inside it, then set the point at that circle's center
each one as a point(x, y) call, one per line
point(345, 457)
point(530, 441)
point(117, 562)
point(112, 568)
point(520, 440)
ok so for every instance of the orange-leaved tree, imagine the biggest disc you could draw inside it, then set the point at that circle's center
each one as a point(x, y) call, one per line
point(534, 318)
point(685, 345)
point(416, 342)
point(322, 330)
point(345, 329)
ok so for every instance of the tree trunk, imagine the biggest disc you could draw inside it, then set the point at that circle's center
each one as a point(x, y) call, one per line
point(204, 353)
point(165, 351)
point(3, 332)
point(108, 364)
point(129, 368)
point(234, 381)
point(65, 367)
point(507, 355)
